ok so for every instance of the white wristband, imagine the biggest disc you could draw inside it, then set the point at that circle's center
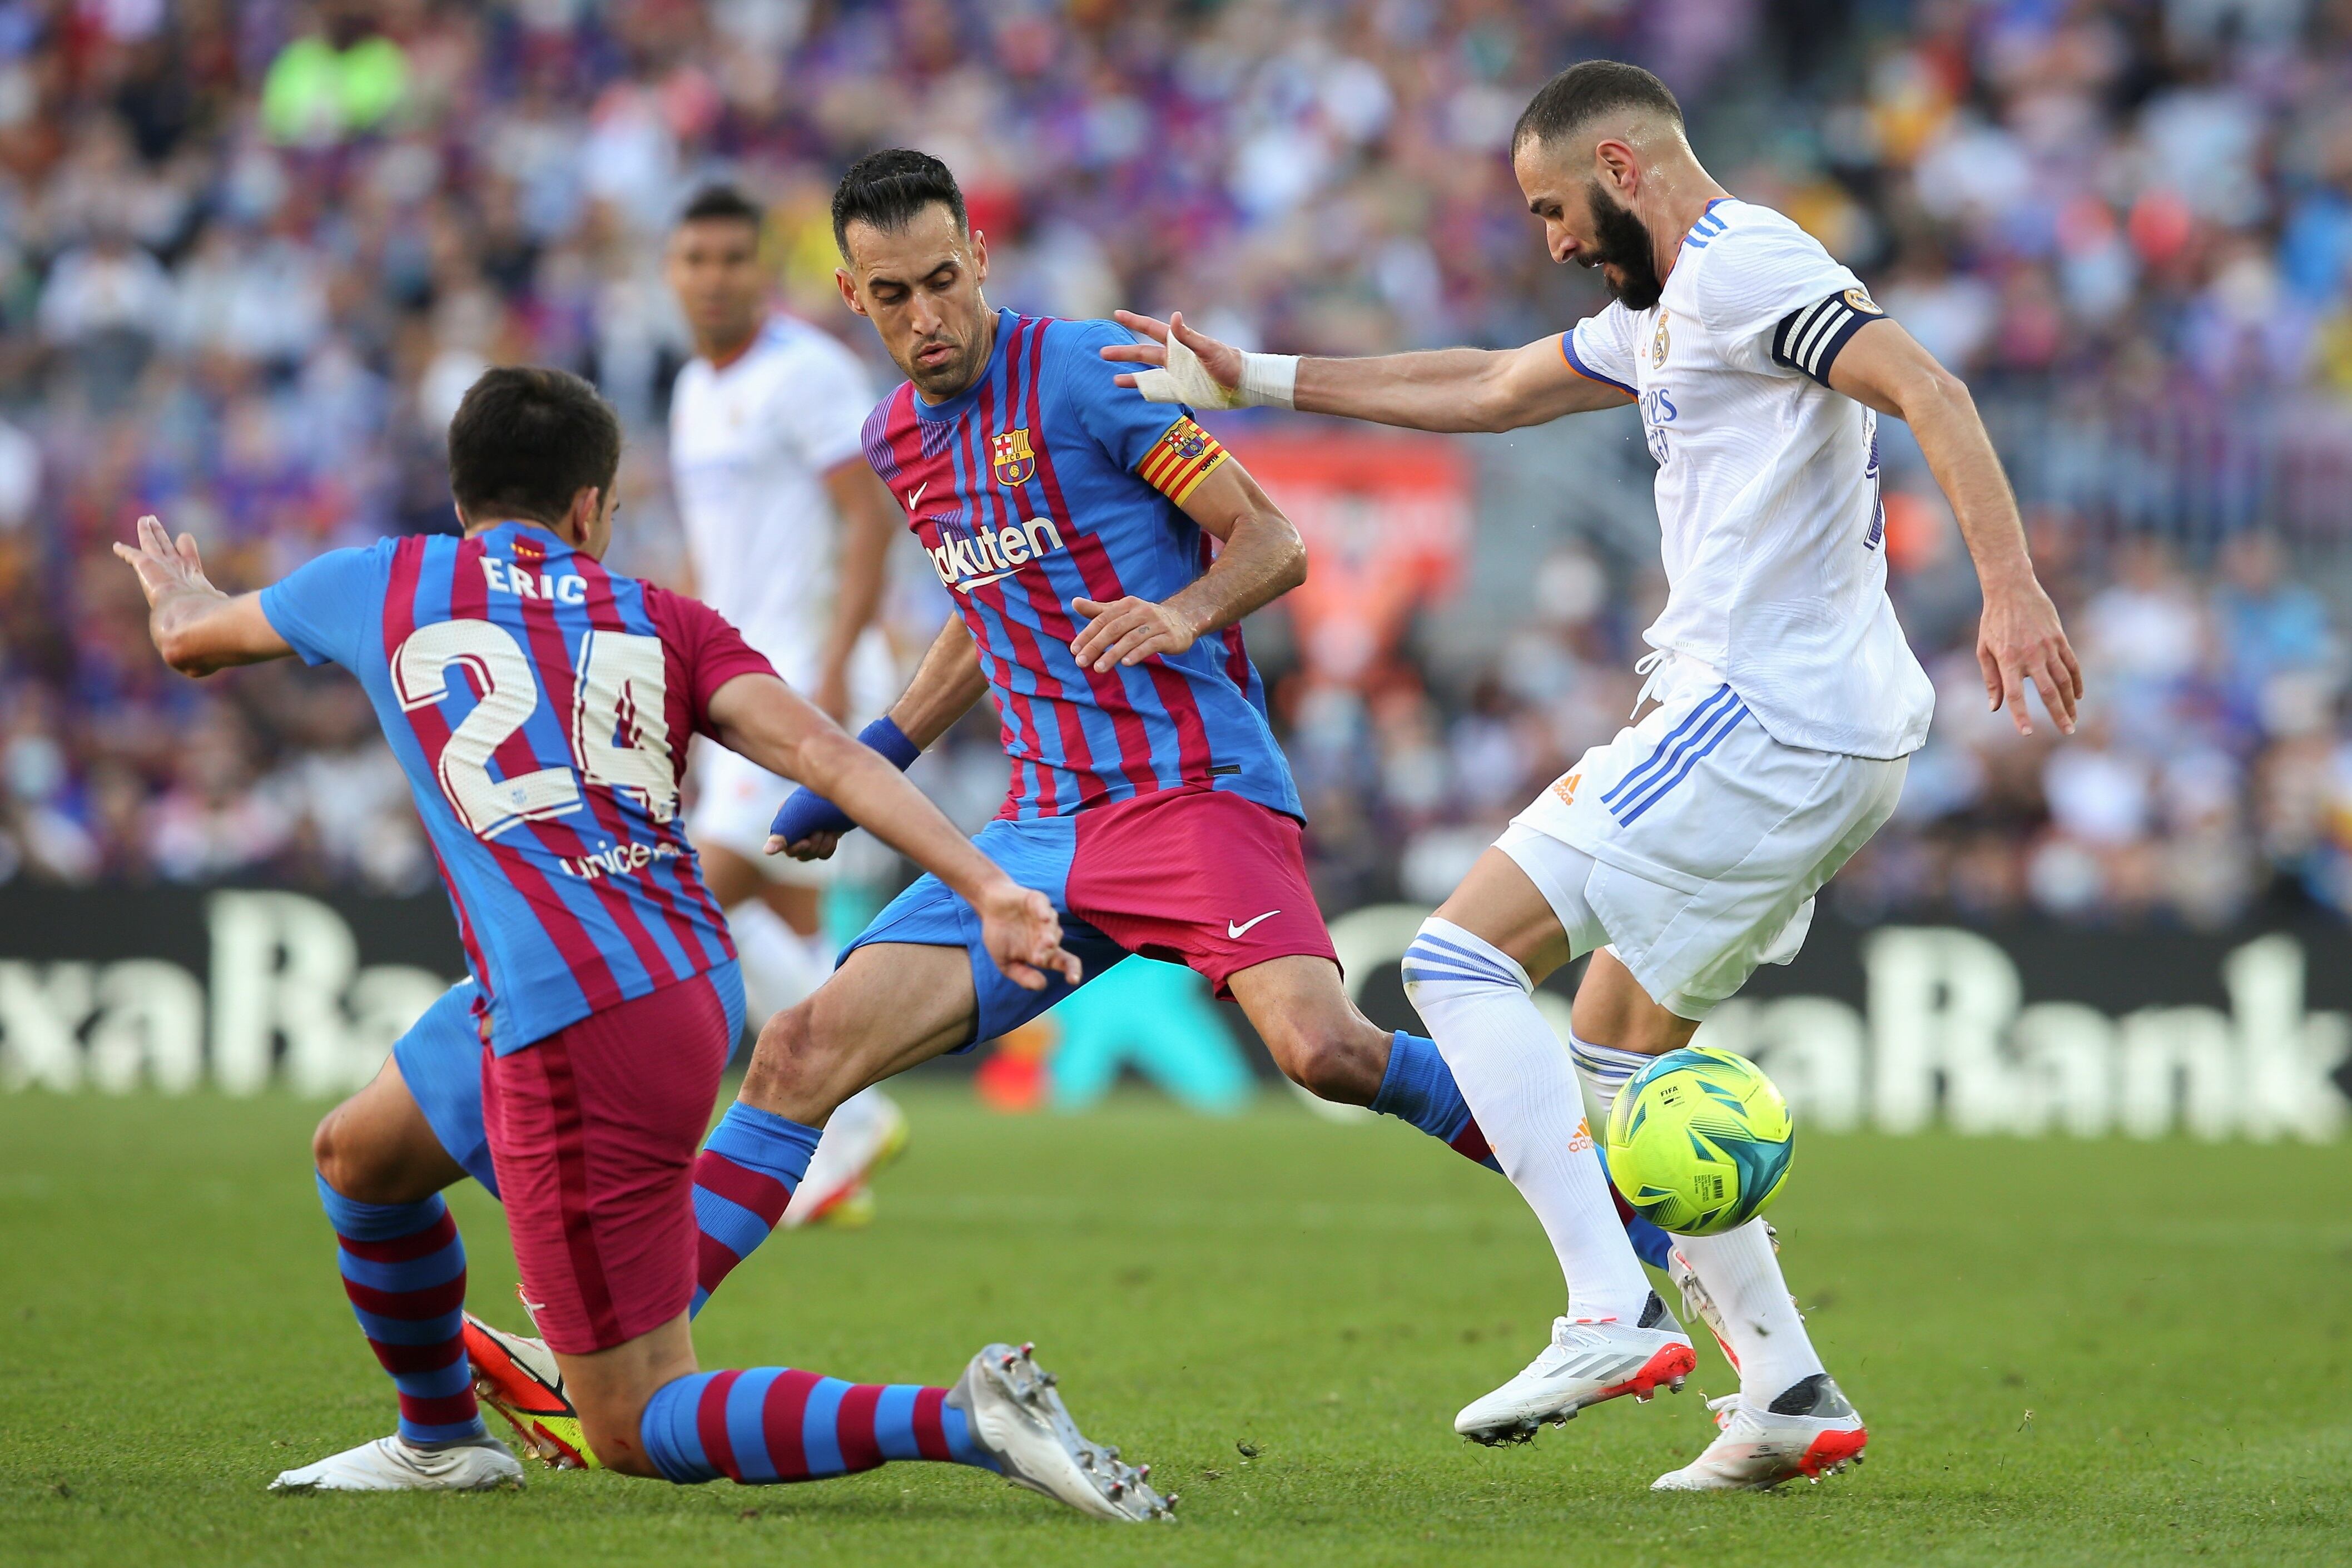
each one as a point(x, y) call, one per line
point(1270, 379)
point(1265, 379)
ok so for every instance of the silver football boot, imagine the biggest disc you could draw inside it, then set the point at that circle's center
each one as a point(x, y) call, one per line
point(1018, 1416)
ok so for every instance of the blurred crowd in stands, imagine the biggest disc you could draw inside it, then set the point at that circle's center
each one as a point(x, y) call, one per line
point(251, 253)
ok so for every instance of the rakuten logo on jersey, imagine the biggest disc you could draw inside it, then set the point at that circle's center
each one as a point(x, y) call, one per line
point(973, 561)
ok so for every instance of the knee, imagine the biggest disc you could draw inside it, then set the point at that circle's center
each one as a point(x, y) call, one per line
point(615, 1432)
point(368, 1160)
point(786, 1074)
point(1332, 1059)
point(341, 1159)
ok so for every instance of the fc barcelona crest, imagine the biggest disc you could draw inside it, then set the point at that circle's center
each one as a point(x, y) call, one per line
point(1009, 452)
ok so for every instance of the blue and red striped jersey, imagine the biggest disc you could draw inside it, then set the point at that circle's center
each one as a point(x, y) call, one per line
point(542, 707)
point(1045, 482)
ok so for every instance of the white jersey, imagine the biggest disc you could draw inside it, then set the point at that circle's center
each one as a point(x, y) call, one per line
point(750, 444)
point(1768, 483)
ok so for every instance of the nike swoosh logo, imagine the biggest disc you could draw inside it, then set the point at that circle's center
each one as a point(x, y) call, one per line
point(915, 499)
point(1243, 930)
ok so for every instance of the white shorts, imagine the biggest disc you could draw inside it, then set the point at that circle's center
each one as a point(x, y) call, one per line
point(738, 798)
point(737, 801)
point(1708, 840)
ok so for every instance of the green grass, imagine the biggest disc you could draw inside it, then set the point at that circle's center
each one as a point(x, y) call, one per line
point(2069, 1353)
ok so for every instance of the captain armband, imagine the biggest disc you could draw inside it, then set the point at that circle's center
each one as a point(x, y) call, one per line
point(1180, 461)
point(1809, 340)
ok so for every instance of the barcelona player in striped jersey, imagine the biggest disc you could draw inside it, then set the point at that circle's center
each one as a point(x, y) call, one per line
point(1101, 555)
point(541, 707)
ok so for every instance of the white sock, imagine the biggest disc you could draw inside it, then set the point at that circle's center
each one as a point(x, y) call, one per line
point(780, 966)
point(1740, 1272)
point(1522, 1088)
point(1738, 1269)
point(1604, 1068)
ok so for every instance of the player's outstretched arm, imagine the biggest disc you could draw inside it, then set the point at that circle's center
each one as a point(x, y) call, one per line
point(1262, 559)
point(1438, 389)
point(869, 521)
point(2018, 638)
point(766, 720)
point(197, 629)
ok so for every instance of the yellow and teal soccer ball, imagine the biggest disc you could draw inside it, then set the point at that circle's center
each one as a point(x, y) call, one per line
point(1699, 1142)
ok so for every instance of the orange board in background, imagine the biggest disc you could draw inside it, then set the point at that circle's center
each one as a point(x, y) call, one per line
point(1387, 525)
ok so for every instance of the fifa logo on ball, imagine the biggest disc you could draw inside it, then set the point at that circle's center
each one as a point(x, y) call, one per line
point(1699, 1142)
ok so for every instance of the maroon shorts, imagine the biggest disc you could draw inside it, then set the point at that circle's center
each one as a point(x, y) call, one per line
point(1195, 876)
point(1200, 876)
point(594, 1130)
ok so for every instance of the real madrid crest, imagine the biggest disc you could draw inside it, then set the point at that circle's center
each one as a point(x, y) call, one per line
point(1009, 454)
point(1659, 343)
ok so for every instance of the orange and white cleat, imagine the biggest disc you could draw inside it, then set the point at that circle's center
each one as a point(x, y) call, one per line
point(1587, 1360)
point(517, 1376)
point(1809, 1431)
point(865, 1134)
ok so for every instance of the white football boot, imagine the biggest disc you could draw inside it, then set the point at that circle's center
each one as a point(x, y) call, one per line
point(390, 1464)
point(866, 1132)
point(1809, 1431)
point(1019, 1419)
point(1587, 1360)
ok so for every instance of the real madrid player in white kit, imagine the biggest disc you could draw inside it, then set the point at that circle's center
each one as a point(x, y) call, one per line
point(1687, 850)
point(787, 533)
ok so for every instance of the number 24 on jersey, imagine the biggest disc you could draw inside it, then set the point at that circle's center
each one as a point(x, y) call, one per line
point(617, 731)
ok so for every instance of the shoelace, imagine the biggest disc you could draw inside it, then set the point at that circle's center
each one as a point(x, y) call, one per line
point(1553, 1347)
point(1726, 1410)
point(1697, 1302)
point(1561, 1326)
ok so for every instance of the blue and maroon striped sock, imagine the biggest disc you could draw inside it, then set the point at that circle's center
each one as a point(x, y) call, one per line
point(1419, 1088)
point(749, 1168)
point(775, 1424)
point(403, 1268)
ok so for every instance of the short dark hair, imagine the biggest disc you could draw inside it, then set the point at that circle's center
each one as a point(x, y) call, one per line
point(721, 202)
point(888, 188)
point(526, 440)
point(1587, 89)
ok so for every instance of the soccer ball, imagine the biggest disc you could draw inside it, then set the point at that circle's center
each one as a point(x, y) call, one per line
point(1699, 1142)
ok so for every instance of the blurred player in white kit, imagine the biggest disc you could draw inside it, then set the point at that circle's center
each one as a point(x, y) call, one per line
point(788, 534)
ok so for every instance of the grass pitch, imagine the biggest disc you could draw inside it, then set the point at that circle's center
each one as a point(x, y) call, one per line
point(2103, 1353)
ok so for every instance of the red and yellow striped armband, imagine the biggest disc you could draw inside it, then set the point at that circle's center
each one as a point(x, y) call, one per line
point(1181, 460)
